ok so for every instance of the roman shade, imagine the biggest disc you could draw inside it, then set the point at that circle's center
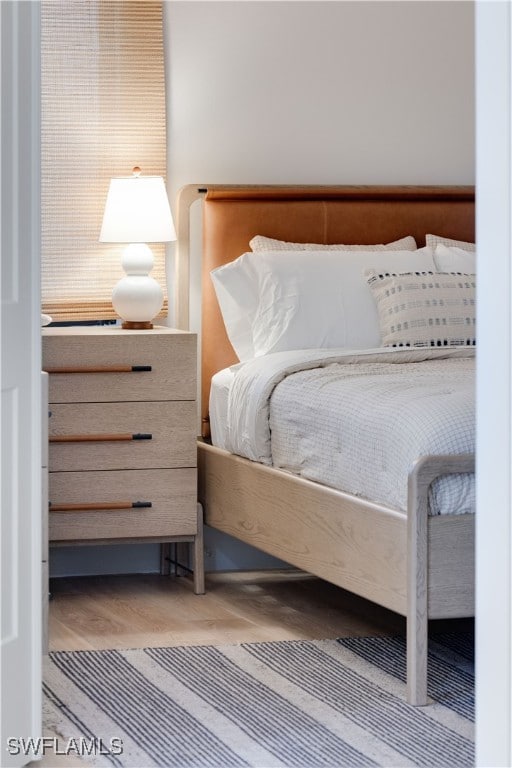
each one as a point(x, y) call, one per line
point(102, 112)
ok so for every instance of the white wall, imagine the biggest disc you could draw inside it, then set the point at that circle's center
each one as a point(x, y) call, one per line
point(320, 92)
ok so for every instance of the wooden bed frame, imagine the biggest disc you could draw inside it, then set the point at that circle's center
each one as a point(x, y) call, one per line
point(419, 566)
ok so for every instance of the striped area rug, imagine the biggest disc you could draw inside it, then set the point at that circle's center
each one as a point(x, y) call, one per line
point(301, 704)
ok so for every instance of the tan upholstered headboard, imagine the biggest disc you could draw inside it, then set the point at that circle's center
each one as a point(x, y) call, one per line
point(234, 214)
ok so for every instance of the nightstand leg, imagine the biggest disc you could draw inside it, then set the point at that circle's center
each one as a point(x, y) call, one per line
point(165, 554)
point(199, 554)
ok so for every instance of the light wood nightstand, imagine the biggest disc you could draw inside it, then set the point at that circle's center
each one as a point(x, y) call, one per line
point(122, 431)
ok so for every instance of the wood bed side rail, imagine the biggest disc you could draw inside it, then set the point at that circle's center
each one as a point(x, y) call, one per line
point(424, 472)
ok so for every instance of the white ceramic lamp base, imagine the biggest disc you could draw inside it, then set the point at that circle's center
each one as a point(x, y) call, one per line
point(137, 298)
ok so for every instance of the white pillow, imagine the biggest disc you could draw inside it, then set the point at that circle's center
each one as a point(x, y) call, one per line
point(320, 299)
point(240, 287)
point(454, 260)
point(434, 240)
point(236, 286)
point(425, 309)
point(261, 243)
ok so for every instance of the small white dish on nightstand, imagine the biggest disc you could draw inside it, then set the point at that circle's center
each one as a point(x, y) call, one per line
point(45, 319)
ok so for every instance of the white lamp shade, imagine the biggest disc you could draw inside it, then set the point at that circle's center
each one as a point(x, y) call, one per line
point(137, 211)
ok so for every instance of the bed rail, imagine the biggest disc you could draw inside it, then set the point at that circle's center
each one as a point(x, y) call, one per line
point(425, 470)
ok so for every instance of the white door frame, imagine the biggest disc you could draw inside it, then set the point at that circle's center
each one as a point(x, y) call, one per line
point(494, 384)
point(20, 428)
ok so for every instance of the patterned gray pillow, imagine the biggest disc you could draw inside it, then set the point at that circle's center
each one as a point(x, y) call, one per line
point(424, 309)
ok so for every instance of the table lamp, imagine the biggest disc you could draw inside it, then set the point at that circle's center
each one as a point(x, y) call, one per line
point(137, 211)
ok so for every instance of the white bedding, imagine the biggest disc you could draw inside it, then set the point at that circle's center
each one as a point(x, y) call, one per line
point(355, 420)
point(218, 408)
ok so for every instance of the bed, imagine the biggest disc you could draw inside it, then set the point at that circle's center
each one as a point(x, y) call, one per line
point(414, 563)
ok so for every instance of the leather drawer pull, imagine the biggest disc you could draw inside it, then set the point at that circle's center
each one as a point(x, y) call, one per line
point(97, 505)
point(100, 438)
point(104, 369)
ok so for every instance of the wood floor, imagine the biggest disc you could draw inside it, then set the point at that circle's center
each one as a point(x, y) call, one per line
point(151, 610)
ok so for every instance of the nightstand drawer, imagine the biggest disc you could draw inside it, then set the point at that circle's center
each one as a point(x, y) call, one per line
point(171, 493)
point(120, 365)
point(124, 435)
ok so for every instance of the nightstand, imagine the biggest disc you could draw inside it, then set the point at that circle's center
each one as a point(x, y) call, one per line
point(122, 437)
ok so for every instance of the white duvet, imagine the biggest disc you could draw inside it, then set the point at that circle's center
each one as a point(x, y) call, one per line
point(357, 420)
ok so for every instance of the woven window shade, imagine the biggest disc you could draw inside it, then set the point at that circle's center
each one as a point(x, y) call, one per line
point(102, 112)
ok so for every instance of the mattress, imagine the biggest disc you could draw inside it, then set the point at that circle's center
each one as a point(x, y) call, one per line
point(353, 420)
point(218, 409)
